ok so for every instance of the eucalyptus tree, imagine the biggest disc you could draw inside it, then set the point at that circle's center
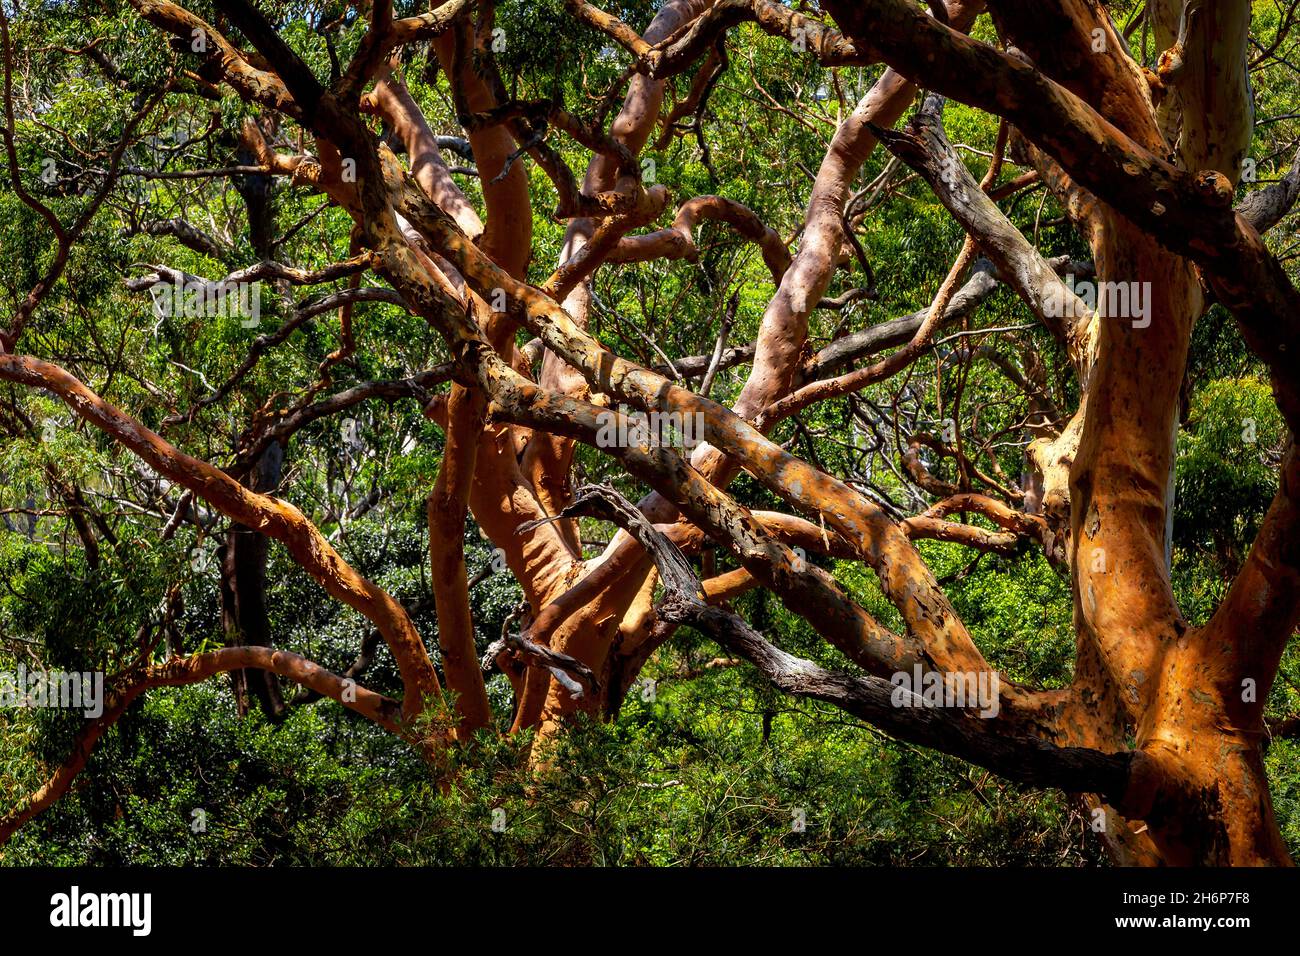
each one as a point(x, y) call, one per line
point(496, 234)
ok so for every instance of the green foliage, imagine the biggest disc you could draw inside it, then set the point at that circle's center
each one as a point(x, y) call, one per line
point(686, 780)
point(1227, 467)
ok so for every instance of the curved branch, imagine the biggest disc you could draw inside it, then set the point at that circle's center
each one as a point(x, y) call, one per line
point(271, 516)
point(983, 742)
point(678, 242)
point(190, 670)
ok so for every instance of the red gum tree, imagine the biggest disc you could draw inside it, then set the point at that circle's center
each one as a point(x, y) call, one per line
point(1154, 731)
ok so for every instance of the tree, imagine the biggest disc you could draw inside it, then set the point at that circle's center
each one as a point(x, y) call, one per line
point(1160, 732)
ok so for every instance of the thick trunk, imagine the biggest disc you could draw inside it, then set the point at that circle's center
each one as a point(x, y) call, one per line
point(447, 507)
point(1201, 794)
